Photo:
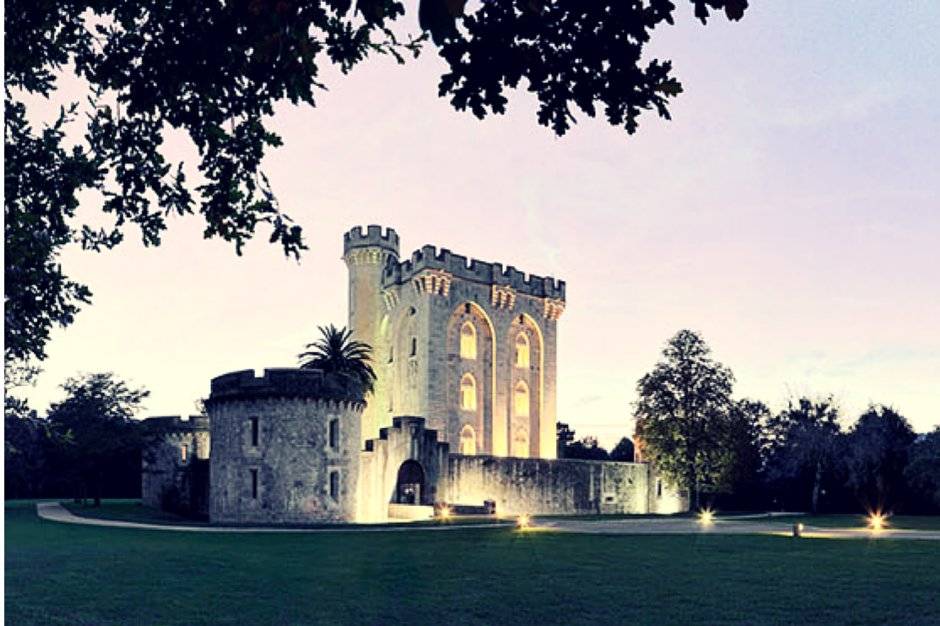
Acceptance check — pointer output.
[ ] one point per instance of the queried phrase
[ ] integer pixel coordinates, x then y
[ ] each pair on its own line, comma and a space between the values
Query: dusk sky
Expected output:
790, 212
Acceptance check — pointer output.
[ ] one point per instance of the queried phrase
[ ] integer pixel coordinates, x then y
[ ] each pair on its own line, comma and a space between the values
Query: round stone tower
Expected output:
285, 447
367, 255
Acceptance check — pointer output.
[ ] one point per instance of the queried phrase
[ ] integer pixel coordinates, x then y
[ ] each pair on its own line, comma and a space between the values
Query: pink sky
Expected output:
790, 212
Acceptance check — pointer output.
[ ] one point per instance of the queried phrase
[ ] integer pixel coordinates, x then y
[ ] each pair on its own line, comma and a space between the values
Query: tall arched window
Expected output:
468, 341
521, 399
468, 393
520, 442
522, 350
468, 440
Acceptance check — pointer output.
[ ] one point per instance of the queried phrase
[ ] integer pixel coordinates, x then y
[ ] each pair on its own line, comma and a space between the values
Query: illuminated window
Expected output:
468, 440
520, 443
521, 399
468, 341
334, 485
184, 453
254, 484
468, 393
522, 350
334, 433
254, 432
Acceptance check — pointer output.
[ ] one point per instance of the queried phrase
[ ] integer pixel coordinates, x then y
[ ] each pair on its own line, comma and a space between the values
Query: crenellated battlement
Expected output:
459, 266
176, 423
284, 383
375, 236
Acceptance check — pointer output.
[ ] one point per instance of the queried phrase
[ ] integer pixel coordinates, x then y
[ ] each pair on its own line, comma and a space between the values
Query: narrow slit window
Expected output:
254, 432
184, 453
334, 433
334, 485
254, 484
414, 346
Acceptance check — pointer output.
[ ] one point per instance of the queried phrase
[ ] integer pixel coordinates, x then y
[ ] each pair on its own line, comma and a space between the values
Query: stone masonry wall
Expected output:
293, 459
542, 486
164, 466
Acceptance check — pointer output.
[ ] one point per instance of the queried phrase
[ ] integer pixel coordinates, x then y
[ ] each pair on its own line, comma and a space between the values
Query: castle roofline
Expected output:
374, 237
429, 257
288, 382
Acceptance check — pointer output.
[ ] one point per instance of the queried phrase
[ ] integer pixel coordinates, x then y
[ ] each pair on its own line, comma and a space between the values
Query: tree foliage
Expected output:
802, 441
586, 449
876, 455
623, 451
682, 415
102, 438
922, 473
336, 352
214, 70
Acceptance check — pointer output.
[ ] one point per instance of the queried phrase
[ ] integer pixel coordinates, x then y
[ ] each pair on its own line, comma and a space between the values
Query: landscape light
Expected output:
706, 517
523, 521
444, 512
798, 529
877, 521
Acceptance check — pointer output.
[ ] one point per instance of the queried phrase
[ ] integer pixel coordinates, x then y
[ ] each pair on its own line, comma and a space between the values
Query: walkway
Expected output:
750, 525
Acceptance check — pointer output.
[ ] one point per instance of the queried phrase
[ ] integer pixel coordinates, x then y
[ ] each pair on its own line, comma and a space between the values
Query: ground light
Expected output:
877, 521
523, 522
706, 517
444, 512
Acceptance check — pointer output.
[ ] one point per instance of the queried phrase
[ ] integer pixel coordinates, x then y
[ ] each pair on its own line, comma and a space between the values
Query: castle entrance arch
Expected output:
410, 487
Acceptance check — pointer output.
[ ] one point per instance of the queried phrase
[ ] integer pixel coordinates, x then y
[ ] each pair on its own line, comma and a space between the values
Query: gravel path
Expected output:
744, 525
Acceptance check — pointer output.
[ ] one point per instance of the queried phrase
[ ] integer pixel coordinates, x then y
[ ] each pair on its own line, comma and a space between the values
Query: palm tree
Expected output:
336, 352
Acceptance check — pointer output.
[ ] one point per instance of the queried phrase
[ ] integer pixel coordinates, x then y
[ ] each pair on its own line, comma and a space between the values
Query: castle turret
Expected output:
366, 255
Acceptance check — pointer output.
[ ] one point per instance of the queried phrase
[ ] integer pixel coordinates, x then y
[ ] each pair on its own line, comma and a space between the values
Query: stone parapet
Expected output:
284, 383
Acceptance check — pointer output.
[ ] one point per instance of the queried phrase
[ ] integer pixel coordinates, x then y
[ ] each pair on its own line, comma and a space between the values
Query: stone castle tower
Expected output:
470, 345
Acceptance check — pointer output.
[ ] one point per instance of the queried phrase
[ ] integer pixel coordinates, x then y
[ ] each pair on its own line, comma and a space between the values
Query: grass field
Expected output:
66, 574
900, 522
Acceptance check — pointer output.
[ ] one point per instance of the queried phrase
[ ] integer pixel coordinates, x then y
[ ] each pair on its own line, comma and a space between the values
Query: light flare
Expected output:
706, 517
523, 522
877, 521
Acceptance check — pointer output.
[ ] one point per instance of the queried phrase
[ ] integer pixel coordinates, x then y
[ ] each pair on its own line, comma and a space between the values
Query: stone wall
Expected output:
290, 472
407, 439
171, 476
543, 486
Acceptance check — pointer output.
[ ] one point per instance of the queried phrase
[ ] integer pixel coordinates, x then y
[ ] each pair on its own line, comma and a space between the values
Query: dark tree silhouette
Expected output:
623, 451
923, 470
99, 436
682, 415
586, 449
214, 70
802, 441
564, 435
876, 455
336, 352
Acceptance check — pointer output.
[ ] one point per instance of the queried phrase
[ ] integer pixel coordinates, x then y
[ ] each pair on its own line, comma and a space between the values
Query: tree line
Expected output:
738, 454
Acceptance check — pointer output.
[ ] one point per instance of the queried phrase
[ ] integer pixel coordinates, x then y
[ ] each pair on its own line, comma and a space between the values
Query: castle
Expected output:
468, 346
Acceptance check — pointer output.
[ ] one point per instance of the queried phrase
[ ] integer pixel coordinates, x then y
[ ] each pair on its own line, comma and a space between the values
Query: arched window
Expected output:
468, 440
468, 341
521, 399
520, 442
522, 350
468, 393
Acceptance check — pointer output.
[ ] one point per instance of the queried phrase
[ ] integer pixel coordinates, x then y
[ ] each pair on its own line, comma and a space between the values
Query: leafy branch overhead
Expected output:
214, 70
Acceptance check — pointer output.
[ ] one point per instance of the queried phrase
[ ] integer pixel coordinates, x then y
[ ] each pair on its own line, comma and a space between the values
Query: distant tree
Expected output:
25, 444
877, 453
923, 469
741, 446
587, 449
336, 352
801, 443
214, 71
623, 451
682, 412
102, 443
564, 435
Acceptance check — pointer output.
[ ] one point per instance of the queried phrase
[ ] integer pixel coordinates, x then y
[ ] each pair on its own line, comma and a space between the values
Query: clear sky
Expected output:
790, 212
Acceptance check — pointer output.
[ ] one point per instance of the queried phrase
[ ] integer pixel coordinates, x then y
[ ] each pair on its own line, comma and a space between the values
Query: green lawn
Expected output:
67, 574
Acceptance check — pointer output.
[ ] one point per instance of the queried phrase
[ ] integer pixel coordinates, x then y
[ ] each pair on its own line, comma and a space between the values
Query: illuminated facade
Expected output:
468, 344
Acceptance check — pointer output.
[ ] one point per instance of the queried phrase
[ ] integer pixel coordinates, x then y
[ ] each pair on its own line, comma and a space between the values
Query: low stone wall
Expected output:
171, 478
543, 486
